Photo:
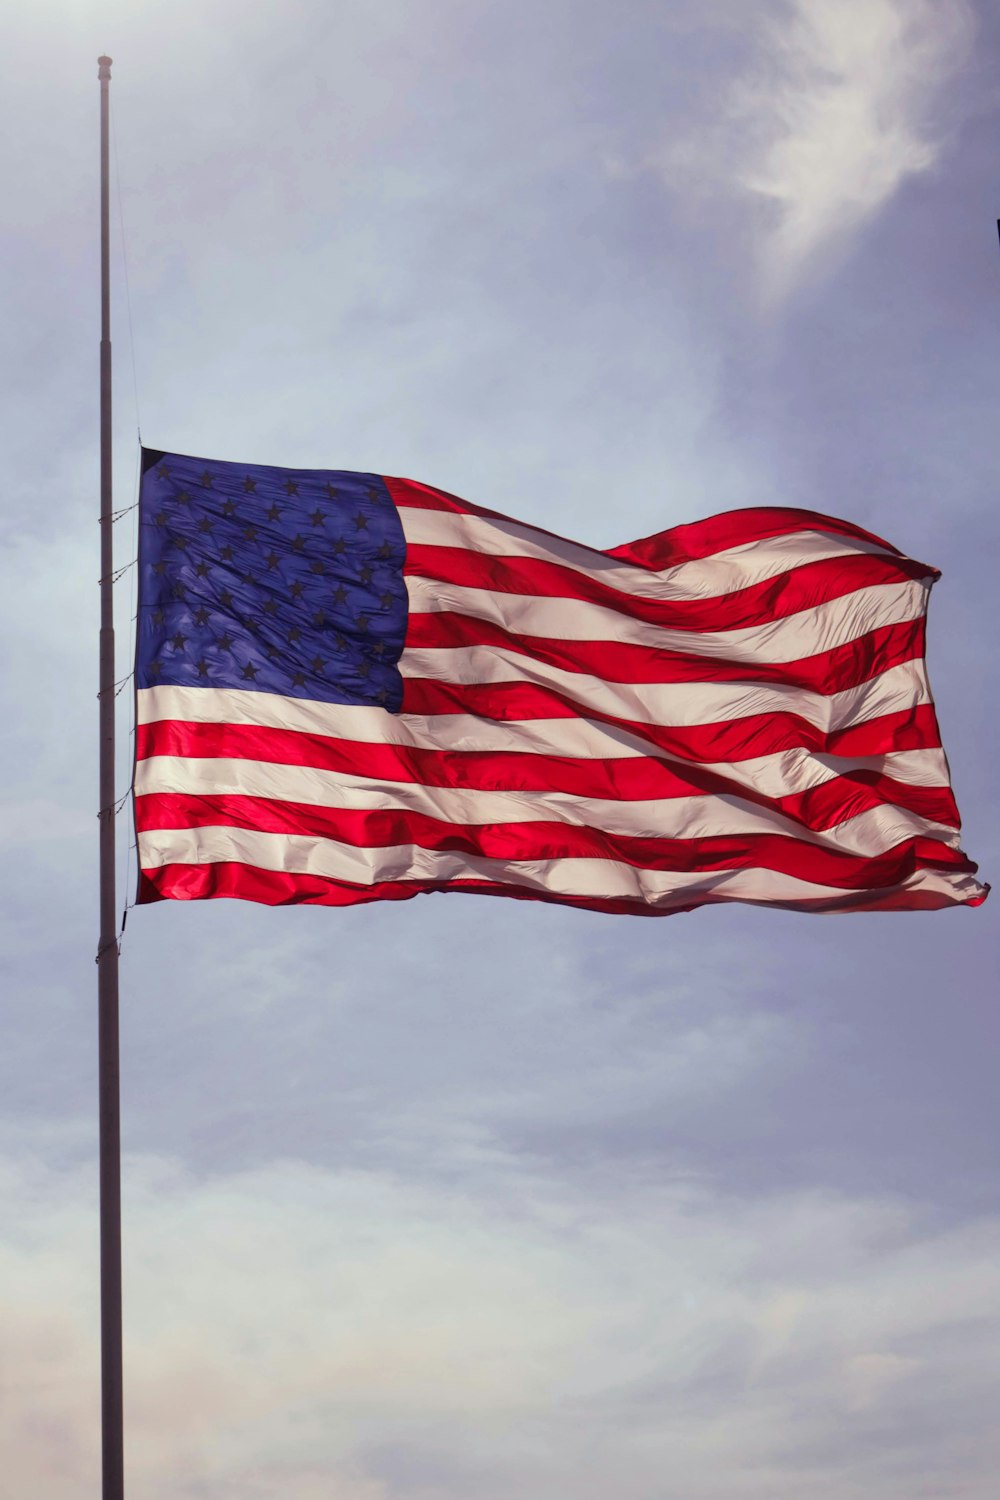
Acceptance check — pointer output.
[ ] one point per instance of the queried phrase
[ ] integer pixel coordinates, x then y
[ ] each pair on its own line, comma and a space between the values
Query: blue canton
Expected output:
278, 580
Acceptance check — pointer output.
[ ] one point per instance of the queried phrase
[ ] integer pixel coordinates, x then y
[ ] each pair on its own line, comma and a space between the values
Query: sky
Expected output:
460, 1199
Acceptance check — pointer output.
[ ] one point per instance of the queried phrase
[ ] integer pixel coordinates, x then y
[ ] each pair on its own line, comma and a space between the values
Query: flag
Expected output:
351, 687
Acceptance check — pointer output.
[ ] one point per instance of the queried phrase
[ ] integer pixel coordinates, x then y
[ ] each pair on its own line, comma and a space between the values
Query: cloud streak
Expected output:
837, 109
296, 1330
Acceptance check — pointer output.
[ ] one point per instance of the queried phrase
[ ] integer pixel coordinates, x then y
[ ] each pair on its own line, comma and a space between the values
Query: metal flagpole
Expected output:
107, 953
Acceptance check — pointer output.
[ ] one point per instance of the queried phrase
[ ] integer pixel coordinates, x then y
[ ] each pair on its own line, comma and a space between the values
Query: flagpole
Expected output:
107, 954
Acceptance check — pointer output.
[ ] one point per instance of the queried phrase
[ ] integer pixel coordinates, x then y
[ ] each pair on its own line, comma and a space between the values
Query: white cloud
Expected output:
353, 1336
836, 112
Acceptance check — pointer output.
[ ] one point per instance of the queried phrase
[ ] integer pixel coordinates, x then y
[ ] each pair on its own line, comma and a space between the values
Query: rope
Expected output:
133, 612
119, 685
128, 295
119, 571
132, 509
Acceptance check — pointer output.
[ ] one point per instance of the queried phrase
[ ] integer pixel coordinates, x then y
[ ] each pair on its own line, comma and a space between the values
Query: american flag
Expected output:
351, 687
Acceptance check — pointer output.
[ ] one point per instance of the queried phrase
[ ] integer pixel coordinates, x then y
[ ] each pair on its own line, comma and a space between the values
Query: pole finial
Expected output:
104, 68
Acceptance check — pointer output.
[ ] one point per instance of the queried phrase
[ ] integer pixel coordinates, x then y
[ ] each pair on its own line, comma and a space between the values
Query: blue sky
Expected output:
463, 1199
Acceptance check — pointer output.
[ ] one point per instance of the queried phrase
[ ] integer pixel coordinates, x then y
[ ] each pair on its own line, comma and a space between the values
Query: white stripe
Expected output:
707, 815
781, 774
912, 767
789, 638
703, 578
596, 878
204, 705
791, 771
674, 704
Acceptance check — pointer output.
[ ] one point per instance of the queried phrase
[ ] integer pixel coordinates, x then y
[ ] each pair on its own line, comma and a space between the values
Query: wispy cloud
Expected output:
353, 1335
838, 107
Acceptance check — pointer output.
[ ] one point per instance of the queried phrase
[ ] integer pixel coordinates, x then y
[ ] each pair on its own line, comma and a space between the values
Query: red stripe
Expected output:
736, 739
411, 494
736, 528
383, 828
788, 593
843, 797
664, 549
626, 780
827, 672
276, 888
